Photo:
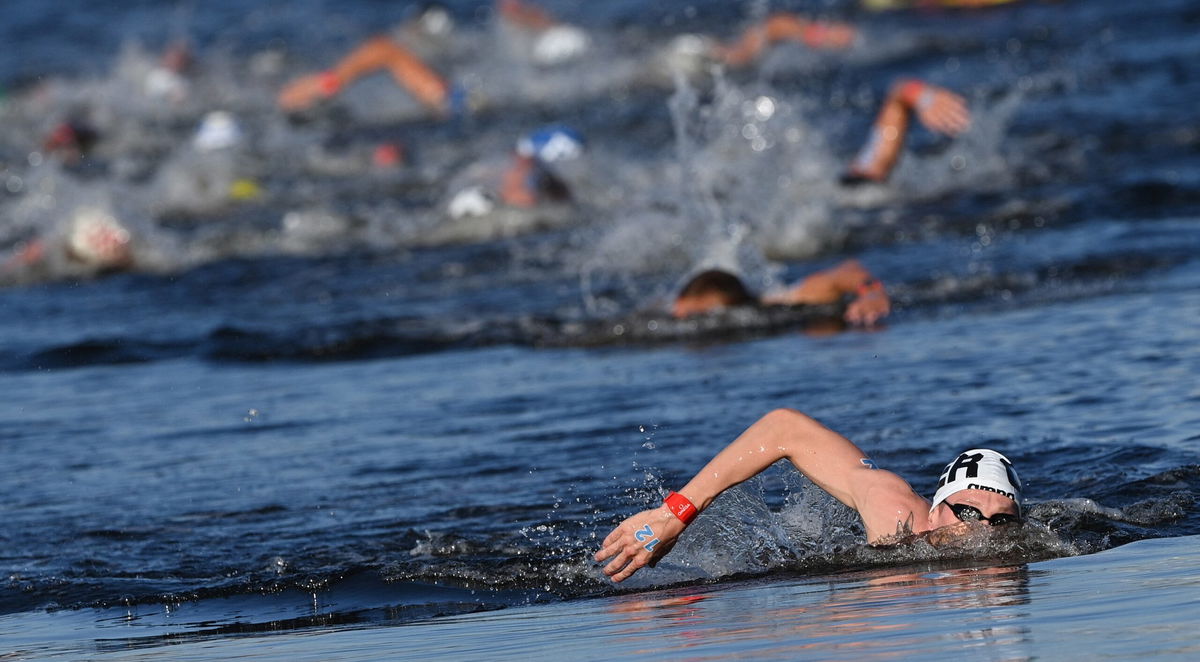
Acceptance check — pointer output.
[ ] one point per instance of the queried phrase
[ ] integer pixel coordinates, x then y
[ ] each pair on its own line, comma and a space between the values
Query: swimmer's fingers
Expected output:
635, 564
301, 93
868, 310
632, 545
612, 546
944, 111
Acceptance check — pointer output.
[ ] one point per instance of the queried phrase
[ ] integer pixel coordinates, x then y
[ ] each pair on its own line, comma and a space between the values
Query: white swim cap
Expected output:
689, 54
979, 469
97, 239
435, 20
218, 130
559, 44
472, 201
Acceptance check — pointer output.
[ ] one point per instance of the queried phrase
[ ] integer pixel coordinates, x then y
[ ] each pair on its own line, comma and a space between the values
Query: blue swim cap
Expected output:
551, 144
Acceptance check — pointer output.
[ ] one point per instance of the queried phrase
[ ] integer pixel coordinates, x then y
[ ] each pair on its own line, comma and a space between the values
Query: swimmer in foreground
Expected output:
408, 69
714, 289
937, 108
979, 487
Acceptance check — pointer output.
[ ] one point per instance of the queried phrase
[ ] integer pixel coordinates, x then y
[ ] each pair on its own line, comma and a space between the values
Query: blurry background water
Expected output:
315, 401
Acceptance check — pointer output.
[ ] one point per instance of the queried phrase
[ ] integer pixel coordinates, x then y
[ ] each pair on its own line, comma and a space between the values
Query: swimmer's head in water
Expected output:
552, 144
98, 240
710, 290
434, 19
980, 469
560, 44
689, 54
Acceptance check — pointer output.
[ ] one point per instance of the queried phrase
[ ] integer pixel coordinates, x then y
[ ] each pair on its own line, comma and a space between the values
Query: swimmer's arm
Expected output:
515, 189
525, 15
827, 458
780, 27
830, 460
408, 70
870, 304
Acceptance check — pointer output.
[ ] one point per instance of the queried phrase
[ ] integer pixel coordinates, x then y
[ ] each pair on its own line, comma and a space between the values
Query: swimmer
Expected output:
553, 42
532, 177
694, 54
167, 80
937, 108
406, 67
979, 487
783, 27
71, 141
95, 240
713, 290
886, 5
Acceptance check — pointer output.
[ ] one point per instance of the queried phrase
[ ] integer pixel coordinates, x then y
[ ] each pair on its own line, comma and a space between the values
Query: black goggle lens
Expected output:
972, 514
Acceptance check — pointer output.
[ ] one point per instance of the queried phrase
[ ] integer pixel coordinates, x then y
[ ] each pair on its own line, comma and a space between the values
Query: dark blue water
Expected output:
373, 419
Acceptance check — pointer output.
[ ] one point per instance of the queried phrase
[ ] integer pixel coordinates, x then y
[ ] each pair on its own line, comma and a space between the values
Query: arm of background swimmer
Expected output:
525, 15
784, 26
409, 71
827, 286
515, 188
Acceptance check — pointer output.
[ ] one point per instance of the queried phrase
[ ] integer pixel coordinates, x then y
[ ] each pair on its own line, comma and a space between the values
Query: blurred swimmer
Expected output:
715, 290
783, 27
94, 240
384, 52
694, 53
533, 176
977, 491
884, 5
938, 109
70, 141
552, 42
167, 79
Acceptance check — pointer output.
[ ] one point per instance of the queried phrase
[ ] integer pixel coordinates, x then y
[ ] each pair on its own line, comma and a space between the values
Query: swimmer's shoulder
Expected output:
888, 505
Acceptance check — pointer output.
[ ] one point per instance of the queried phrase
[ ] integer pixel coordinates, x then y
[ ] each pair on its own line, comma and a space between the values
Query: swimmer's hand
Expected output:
871, 305
305, 91
937, 108
640, 540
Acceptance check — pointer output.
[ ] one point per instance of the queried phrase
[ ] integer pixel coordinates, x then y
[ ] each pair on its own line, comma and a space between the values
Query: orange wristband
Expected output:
330, 85
681, 507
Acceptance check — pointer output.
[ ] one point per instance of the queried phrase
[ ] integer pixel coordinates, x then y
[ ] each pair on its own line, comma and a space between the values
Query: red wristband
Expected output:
330, 85
869, 287
681, 507
910, 92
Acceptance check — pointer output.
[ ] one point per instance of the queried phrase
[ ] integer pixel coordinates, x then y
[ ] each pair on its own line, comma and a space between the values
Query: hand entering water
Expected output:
640, 540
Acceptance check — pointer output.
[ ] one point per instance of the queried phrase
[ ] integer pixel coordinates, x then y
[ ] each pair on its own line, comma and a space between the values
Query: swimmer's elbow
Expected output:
788, 417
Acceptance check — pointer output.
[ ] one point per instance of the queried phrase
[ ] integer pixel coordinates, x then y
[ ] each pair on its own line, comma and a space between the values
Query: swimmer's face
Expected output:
686, 306
988, 504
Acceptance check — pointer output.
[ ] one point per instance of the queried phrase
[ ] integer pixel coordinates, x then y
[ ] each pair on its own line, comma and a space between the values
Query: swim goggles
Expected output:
972, 514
